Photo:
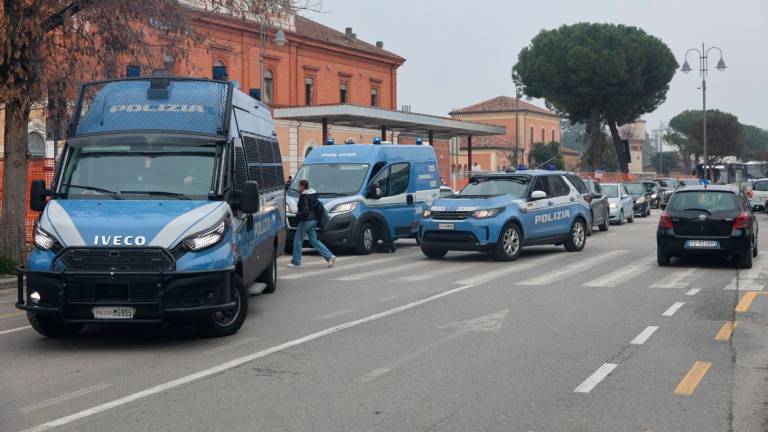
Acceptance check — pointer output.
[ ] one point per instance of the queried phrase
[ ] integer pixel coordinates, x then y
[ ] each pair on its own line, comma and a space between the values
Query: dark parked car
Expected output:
653, 191
667, 187
688, 182
708, 220
640, 199
598, 205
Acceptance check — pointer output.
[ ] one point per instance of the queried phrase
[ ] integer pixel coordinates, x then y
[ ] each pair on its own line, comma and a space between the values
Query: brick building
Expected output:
535, 125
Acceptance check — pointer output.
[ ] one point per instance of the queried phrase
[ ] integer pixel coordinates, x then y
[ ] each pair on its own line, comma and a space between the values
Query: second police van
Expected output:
167, 204
500, 213
373, 193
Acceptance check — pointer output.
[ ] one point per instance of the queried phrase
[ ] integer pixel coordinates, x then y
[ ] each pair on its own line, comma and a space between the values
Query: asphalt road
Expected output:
602, 340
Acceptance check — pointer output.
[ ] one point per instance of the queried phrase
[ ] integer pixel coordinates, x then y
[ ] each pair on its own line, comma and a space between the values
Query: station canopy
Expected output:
387, 121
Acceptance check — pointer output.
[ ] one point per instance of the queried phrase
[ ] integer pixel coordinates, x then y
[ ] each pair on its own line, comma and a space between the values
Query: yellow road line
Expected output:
12, 314
692, 379
726, 331
746, 301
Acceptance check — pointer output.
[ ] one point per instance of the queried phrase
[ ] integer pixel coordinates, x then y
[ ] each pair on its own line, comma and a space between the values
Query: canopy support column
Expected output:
469, 152
383, 133
431, 138
325, 131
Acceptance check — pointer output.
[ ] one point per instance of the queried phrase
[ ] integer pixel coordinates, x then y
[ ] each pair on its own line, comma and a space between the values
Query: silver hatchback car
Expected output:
620, 203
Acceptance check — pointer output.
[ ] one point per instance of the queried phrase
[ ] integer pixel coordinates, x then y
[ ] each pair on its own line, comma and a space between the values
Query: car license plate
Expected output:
113, 312
443, 226
702, 244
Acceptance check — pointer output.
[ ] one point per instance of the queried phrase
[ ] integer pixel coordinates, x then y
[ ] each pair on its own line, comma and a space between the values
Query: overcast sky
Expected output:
460, 52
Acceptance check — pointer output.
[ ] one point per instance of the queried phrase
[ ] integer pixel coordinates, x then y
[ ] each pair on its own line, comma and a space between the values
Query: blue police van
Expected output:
499, 213
167, 204
374, 193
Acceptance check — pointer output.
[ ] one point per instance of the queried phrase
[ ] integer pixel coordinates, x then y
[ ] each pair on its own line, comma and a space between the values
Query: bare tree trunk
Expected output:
621, 155
14, 214
596, 138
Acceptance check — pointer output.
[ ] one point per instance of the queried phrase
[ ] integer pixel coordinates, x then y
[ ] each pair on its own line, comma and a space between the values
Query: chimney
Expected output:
349, 33
379, 44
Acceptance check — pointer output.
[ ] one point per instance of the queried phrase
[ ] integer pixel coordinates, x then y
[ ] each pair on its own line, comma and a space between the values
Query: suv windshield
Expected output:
710, 201
517, 187
141, 172
635, 188
331, 179
611, 190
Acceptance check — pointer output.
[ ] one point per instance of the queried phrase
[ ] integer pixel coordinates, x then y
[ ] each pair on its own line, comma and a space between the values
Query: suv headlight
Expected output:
427, 213
207, 238
344, 207
612, 205
654, 195
42, 239
486, 213
640, 200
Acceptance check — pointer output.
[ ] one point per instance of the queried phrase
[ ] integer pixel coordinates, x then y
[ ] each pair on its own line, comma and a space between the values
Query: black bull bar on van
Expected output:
156, 294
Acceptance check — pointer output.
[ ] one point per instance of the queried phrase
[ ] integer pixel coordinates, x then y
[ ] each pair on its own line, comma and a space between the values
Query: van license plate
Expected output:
445, 226
113, 312
702, 244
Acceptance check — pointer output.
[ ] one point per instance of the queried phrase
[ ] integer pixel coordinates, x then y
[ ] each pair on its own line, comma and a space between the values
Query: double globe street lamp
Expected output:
703, 68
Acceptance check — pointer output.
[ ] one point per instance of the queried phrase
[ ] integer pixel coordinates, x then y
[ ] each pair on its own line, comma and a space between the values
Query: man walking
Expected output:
310, 211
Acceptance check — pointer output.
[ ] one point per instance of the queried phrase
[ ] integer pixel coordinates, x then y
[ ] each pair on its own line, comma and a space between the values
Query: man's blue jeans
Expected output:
308, 228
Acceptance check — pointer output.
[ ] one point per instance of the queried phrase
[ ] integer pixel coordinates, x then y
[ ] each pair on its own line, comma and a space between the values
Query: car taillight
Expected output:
665, 221
742, 221
749, 194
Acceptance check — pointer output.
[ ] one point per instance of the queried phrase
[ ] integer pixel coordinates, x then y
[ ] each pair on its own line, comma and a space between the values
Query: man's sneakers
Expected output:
293, 266
332, 261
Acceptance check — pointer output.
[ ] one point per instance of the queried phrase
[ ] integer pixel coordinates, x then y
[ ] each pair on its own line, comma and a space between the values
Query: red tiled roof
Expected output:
502, 104
312, 29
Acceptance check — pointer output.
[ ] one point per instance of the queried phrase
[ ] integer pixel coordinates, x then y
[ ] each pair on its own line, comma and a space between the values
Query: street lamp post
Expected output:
280, 40
517, 121
703, 69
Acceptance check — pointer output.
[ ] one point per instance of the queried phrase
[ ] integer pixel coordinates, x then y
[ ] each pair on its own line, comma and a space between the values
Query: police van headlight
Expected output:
612, 205
344, 207
427, 213
487, 213
42, 239
207, 238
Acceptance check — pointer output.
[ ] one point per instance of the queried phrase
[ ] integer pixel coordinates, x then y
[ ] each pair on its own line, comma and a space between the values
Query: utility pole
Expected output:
661, 151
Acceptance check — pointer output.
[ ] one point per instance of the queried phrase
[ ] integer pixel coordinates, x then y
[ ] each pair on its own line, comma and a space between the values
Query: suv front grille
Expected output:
116, 259
451, 215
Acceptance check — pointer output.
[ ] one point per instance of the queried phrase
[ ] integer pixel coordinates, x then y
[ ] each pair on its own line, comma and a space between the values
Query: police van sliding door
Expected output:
393, 182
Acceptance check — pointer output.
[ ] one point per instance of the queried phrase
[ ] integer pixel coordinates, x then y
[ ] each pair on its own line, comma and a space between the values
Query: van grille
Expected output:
121, 260
451, 215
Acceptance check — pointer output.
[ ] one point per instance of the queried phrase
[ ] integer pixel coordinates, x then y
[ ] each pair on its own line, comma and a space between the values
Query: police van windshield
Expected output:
141, 172
517, 187
331, 179
611, 190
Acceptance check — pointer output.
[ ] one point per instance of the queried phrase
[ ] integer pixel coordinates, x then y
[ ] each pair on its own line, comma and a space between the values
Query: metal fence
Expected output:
37, 169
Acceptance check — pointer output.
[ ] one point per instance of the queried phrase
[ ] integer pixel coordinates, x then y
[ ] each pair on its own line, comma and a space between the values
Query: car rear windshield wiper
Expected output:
176, 195
333, 193
113, 194
698, 209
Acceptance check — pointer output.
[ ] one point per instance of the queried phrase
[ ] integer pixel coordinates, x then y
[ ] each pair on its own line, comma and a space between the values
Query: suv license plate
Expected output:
702, 244
113, 312
445, 226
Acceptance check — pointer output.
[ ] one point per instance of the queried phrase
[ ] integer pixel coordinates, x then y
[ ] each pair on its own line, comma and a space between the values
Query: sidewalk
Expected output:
750, 344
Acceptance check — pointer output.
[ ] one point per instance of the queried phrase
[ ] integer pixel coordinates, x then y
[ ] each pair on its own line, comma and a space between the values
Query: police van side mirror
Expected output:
37, 195
373, 191
250, 201
537, 195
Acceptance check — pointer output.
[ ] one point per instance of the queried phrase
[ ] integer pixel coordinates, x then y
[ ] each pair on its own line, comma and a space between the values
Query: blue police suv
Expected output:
502, 212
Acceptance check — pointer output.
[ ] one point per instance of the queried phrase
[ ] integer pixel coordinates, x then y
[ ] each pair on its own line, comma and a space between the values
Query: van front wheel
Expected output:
366, 240
226, 322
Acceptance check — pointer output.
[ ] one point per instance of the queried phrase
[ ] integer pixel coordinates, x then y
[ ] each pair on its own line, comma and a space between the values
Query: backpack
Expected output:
321, 214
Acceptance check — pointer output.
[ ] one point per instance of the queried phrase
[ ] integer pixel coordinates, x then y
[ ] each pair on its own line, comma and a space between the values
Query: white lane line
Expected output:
393, 270
334, 314
372, 375
14, 330
672, 309
435, 273
623, 274
678, 279
595, 378
65, 397
693, 292
568, 271
644, 335
298, 274
237, 362
517, 266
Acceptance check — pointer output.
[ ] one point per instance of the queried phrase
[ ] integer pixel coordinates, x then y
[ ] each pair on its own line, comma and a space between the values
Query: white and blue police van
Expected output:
373, 193
167, 204
499, 213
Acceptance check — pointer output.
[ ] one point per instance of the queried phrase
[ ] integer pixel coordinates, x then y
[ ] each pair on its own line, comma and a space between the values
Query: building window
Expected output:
553, 136
219, 71
532, 135
543, 137
36, 145
374, 97
309, 91
344, 93
269, 86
